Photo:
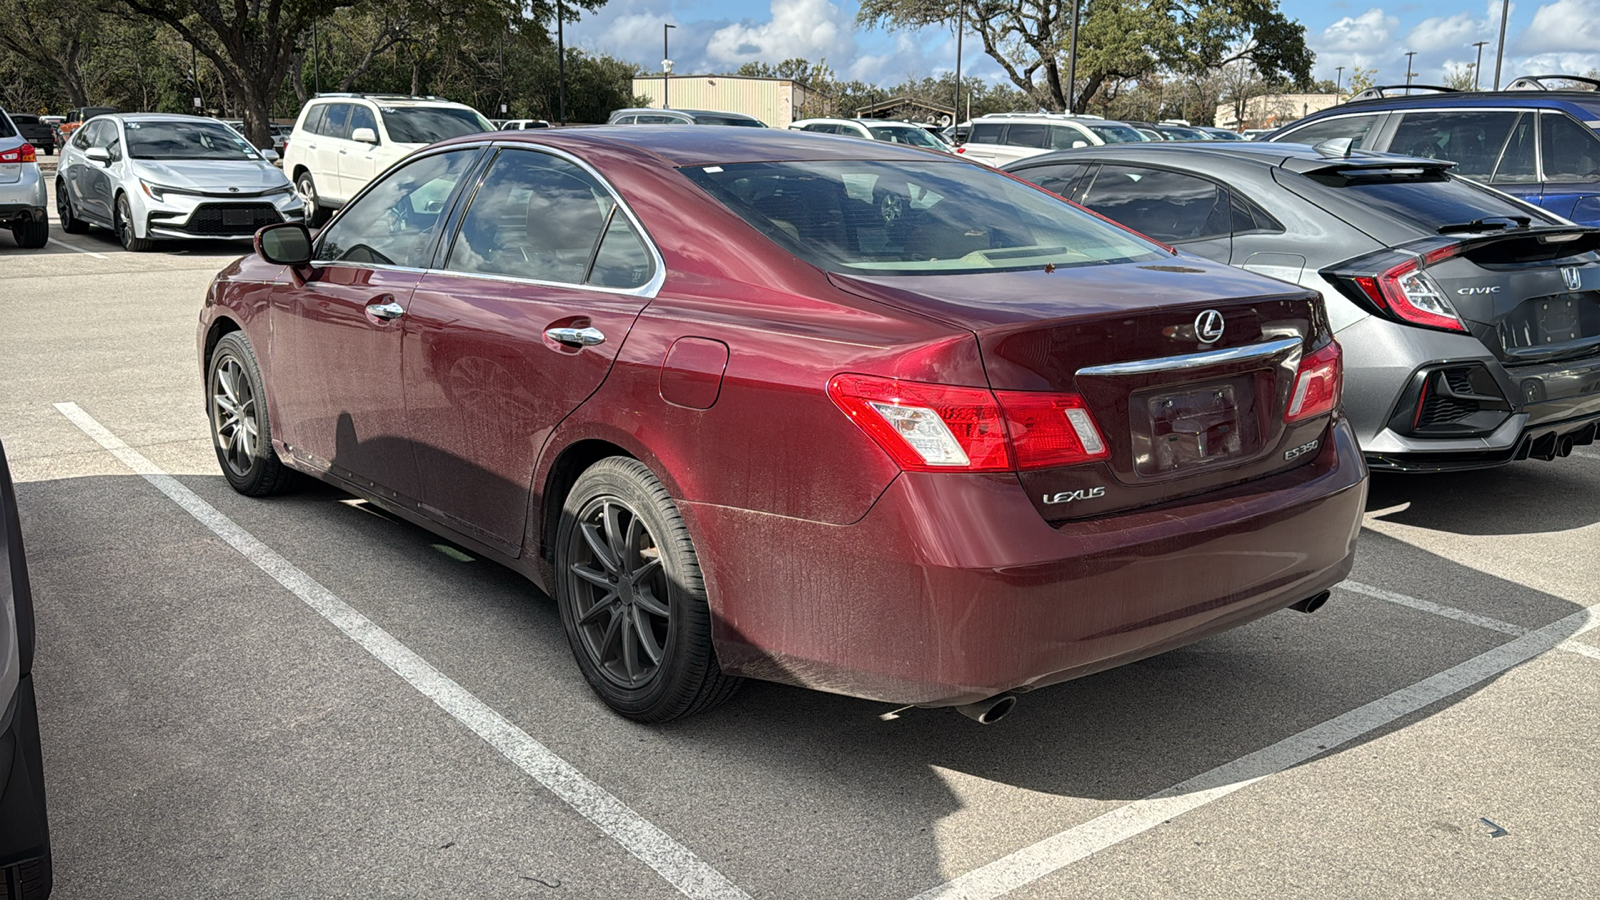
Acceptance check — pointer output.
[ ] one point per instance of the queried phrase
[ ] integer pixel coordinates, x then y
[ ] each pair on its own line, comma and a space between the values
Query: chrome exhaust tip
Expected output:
1313, 603
989, 711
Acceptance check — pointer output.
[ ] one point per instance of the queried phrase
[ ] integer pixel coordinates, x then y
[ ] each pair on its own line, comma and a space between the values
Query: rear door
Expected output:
539, 289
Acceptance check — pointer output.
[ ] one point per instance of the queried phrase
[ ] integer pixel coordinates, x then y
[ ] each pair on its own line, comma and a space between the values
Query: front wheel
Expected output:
240, 430
123, 225
631, 597
307, 187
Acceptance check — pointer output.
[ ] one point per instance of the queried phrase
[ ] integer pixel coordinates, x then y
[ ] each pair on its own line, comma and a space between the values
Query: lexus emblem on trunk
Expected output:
1572, 277
1208, 326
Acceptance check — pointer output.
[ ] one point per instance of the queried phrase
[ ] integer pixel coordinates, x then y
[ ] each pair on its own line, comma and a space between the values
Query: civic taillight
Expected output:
945, 428
1317, 384
23, 154
1408, 291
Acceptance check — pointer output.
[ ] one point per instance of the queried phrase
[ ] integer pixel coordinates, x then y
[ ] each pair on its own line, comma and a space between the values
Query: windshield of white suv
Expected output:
186, 140
906, 134
914, 218
1116, 133
427, 124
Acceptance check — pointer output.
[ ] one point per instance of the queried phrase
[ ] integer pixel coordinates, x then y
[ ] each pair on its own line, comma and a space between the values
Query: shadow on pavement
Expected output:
1521, 498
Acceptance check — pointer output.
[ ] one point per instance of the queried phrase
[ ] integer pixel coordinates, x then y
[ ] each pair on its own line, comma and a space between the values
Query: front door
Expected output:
337, 383
545, 278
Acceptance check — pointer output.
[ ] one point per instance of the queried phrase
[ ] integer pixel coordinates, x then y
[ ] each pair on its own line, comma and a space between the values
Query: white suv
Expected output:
342, 141
1007, 137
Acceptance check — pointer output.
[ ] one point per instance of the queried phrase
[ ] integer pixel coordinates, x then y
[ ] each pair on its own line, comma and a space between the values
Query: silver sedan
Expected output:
151, 176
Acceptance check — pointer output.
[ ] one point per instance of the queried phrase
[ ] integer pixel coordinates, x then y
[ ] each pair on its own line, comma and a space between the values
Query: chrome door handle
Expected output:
576, 337
386, 311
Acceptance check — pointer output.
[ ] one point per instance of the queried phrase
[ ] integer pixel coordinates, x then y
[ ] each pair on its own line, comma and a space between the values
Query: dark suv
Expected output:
1535, 140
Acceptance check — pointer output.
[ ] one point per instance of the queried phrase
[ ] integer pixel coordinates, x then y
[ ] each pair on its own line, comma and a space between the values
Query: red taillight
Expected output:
943, 428
1317, 385
23, 154
1408, 291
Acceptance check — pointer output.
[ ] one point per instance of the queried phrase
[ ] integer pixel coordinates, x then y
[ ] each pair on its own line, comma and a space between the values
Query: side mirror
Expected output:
1079, 143
98, 154
286, 244
269, 154
364, 135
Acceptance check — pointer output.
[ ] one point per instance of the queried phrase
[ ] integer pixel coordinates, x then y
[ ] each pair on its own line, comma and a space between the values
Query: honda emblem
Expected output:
1572, 276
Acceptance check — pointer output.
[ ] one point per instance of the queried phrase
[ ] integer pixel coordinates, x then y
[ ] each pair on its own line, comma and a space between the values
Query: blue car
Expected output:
1536, 140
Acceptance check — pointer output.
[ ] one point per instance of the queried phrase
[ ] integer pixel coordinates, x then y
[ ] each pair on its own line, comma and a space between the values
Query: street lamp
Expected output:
1072, 62
1338, 83
666, 65
1477, 70
961, 28
1409, 54
561, 63
1500, 52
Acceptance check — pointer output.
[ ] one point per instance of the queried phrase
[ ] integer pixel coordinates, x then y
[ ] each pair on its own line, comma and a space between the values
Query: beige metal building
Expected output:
1273, 110
775, 101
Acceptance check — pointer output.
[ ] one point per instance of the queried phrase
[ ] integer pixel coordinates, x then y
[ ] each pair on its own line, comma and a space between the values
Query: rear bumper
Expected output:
953, 589
24, 831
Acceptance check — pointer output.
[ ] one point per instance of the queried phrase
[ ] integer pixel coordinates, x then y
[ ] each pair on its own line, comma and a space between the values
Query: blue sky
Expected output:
1544, 36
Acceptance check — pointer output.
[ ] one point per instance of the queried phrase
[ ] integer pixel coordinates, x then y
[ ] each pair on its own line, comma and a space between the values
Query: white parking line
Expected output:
652, 846
1460, 615
1060, 850
1586, 454
57, 243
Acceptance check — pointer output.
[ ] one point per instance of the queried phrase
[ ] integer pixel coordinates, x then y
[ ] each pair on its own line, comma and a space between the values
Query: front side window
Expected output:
337, 123
186, 140
1357, 128
361, 117
1064, 137
428, 124
1571, 152
1028, 135
396, 221
543, 218
1168, 206
736, 121
1470, 138
913, 218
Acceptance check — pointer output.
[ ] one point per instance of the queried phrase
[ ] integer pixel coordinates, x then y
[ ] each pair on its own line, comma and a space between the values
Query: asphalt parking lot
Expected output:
304, 697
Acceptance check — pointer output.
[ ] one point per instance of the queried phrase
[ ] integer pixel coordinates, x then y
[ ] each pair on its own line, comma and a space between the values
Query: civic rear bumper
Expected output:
24, 831
953, 589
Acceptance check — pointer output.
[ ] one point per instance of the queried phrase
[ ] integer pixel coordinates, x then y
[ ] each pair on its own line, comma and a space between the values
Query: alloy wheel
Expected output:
233, 416
619, 592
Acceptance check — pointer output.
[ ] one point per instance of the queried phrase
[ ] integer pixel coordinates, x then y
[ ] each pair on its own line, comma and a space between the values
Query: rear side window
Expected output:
1470, 138
1571, 152
737, 122
1357, 128
1168, 206
315, 118
1518, 164
541, 217
986, 133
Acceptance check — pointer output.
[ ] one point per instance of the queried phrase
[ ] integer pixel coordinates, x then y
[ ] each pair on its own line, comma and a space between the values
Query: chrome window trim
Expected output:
1196, 360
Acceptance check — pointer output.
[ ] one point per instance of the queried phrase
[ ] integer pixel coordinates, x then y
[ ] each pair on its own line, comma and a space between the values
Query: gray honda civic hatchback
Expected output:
1470, 320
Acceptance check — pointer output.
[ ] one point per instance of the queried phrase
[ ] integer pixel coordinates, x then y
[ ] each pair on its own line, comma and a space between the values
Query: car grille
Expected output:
231, 218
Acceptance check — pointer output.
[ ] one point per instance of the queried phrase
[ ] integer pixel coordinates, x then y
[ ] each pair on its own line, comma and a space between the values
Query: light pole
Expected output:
1409, 54
561, 63
1477, 69
1072, 62
1500, 52
1338, 82
961, 27
666, 65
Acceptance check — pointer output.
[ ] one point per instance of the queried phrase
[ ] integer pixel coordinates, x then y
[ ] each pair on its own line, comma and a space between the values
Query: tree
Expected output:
1361, 79
56, 36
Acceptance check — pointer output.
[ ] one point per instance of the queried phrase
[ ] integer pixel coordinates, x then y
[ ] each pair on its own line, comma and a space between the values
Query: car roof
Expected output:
1212, 153
1586, 103
713, 146
159, 117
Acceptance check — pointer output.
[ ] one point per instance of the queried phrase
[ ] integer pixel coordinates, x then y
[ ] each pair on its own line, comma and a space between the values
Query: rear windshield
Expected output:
914, 218
25, 120
1117, 134
702, 119
1431, 199
186, 140
427, 124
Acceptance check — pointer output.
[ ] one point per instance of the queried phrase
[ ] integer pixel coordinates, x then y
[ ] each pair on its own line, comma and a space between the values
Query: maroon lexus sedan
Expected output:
765, 404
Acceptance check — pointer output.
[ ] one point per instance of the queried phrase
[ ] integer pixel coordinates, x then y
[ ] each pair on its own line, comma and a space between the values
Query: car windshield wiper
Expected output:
1488, 222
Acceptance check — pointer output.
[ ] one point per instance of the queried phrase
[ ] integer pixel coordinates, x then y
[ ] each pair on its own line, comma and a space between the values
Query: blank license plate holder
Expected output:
1196, 427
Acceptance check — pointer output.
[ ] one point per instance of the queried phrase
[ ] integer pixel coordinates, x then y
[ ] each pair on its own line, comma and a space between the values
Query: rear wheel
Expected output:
32, 235
240, 430
123, 224
315, 213
631, 597
70, 223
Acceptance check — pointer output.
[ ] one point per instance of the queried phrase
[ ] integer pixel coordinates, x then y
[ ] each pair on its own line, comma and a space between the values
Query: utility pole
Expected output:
1500, 52
1072, 62
1338, 83
1477, 70
666, 66
1409, 54
561, 62
961, 27
316, 61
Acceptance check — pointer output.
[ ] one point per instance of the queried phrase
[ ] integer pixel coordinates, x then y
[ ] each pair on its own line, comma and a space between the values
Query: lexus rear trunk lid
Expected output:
1181, 415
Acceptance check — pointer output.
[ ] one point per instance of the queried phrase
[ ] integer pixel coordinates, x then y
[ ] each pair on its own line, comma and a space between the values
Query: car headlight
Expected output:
154, 192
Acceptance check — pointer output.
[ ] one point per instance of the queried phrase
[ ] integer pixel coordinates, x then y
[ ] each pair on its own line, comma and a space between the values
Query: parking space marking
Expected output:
57, 243
1586, 454
674, 862
1058, 851
1460, 615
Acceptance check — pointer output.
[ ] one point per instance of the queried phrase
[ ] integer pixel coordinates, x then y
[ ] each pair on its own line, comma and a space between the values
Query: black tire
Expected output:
316, 214
621, 548
236, 406
70, 223
32, 235
122, 222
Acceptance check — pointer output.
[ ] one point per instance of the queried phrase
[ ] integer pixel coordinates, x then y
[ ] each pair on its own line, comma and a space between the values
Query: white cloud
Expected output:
1449, 34
812, 29
1359, 34
1563, 26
